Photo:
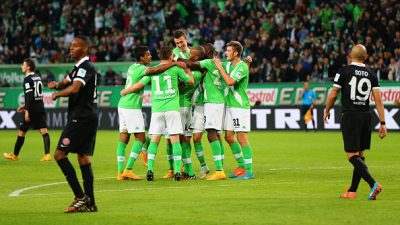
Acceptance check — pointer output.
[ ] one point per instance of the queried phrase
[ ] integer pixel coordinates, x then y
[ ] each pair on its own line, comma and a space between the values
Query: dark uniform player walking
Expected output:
34, 114
356, 83
79, 135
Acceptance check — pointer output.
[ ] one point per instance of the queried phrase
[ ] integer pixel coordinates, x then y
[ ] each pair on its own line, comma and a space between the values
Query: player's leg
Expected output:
143, 152
18, 145
247, 155
187, 159
170, 159
88, 178
177, 152
222, 148
140, 138
355, 181
121, 152
198, 147
46, 143
174, 129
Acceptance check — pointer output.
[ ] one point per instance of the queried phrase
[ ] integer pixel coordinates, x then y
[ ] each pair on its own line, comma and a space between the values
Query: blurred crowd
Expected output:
290, 41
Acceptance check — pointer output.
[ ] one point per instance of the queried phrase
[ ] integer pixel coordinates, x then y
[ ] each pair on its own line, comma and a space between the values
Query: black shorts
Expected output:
38, 121
78, 137
356, 131
304, 109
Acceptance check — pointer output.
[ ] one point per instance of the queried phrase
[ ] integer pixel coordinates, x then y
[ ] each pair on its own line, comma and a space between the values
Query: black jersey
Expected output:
356, 82
83, 104
33, 89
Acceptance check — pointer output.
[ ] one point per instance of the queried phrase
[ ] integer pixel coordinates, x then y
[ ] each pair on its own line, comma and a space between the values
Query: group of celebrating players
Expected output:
192, 92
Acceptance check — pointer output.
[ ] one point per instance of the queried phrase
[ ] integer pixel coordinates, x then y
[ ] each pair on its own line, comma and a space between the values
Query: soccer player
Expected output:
165, 117
235, 73
308, 101
34, 113
356, 82
79, 134
182, 49
130, 112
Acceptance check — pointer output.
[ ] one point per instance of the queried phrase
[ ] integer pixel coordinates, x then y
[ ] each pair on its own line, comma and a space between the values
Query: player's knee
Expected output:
140, 137
230, 139
59, 155
21, 133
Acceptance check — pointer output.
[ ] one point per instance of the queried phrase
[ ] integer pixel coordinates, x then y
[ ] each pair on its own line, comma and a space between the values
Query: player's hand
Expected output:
20, 108
52, 85
382, 131
54, 96
181, 64
217, 62
248, 59
27, 119
326, 117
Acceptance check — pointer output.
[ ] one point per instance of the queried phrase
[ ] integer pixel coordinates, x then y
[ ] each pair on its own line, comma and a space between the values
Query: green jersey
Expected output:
236, 95
164, 89
213, 92
133, 100
179, 54
186, 93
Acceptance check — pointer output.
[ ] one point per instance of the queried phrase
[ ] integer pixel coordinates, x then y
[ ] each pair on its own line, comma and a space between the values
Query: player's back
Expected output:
133, 100
33, 86
356, 82
83, 104
165, 91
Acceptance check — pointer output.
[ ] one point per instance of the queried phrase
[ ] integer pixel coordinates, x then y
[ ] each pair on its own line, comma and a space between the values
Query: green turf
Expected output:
299, 178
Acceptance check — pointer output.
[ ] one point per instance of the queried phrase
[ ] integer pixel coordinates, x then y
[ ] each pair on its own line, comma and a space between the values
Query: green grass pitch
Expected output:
299, 178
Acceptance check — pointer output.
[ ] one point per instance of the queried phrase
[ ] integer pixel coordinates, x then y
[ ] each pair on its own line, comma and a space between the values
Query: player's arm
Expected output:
29, 98
331, 100
190, 64
68, 91
191, 80
229, 80
59, 85
133, 88
376, 92
161, 68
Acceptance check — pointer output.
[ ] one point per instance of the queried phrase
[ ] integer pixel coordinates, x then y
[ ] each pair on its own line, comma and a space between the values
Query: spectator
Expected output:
110, 77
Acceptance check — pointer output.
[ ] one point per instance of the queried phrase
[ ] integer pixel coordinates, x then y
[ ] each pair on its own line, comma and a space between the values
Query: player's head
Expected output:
180, 39
165, 53
142, 54
233, 50
306, 86
28, 65
209, 50
197, 53
358, 54
79, 47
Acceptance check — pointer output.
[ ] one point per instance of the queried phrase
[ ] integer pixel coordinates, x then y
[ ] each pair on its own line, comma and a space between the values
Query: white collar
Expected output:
31, 73
358, 64
81, 61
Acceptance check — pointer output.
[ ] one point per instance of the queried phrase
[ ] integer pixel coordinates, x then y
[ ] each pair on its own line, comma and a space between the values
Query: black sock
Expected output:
18, 145
46, 142
362, 169
313, 124
69, 173
355, 181
87, 176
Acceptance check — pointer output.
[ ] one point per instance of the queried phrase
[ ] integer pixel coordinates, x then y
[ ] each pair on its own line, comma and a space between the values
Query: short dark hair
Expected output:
236, 47
30, 63
209, 50
179, 33
85, 40
140, 51
165, 52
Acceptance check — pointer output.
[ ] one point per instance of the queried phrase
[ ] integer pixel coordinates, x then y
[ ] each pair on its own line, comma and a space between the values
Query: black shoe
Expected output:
150, 175
191, 177
78, 205
177, 177
93, 208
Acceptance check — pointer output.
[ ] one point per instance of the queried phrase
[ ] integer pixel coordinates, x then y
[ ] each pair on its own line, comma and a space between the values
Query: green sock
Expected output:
198, 148
151, 155
170, 157
222, 153
177, 152
135, 151
216, 150
187, 160
146, 144
248, 159
237, 152
121, 156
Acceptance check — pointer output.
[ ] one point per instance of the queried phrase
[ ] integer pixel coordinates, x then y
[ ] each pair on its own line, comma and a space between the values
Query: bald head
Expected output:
197, 53
358, 53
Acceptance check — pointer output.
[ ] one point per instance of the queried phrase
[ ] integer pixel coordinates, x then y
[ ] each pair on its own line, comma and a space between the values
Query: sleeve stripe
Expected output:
81, 80
337, 85
69, 79
29, 90
376, 88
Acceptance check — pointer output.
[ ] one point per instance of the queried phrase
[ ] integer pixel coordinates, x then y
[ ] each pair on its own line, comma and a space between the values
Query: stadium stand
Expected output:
289, 40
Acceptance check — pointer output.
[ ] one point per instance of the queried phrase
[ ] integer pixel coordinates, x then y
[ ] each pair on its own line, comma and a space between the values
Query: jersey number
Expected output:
236, 122
357, 91
38, 88
158, 90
